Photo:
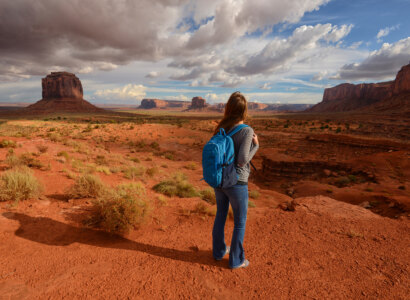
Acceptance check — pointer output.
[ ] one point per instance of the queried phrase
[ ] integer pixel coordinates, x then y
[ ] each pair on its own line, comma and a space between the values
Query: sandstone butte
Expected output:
158, 103
62, 91
384, 96
198, 103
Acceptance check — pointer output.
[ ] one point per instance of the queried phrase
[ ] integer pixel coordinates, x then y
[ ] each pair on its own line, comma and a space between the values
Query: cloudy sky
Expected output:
283, 51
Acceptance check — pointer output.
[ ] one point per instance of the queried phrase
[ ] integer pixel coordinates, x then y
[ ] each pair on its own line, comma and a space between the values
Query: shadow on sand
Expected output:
50, 232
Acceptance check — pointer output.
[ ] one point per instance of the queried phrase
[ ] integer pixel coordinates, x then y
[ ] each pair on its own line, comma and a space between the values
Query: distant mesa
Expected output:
62, 91
162, 104
384, 96
198, 103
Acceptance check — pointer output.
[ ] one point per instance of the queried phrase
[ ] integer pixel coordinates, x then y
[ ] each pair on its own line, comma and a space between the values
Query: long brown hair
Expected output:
236, 110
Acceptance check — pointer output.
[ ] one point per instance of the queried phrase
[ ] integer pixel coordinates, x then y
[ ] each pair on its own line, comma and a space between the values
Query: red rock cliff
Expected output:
347, 97
61, 85
198, 103
153, 103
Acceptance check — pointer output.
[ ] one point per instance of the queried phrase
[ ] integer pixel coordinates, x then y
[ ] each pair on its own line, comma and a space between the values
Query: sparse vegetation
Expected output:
121, 209
208, 195
87, 186
151, 172
7, 144
177, 185
134, 172
42, 148
254, 194
19, 184
251, 204
191, 166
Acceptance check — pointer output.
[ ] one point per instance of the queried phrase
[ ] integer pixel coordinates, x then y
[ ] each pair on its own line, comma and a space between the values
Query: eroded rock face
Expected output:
198, 103
153, 103
347, 97
256, 106
62, 91
61, 85
402, 82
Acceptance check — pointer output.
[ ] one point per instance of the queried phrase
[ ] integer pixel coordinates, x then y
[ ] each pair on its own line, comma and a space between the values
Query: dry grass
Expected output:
134, 172
177, 185
254, 194
19, 184
86, 186
122, 209
208, 195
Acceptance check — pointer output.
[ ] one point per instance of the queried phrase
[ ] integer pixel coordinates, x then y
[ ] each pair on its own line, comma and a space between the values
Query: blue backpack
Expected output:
218, 157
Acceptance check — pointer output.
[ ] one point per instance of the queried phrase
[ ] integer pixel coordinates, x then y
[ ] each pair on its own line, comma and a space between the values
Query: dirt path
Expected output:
306, 254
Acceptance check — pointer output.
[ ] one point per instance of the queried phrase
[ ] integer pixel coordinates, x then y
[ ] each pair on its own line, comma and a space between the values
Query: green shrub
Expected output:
19, 184
86, 186
134, 172
121, 209
208, 195
177, 185
24, 159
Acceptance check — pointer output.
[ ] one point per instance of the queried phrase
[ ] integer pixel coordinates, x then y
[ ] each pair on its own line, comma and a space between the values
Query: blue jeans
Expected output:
237, 195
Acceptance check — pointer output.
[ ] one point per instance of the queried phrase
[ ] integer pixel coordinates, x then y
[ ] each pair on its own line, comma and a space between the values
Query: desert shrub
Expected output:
251, 204
176, 185
342, 181
162, 200
86, 186
55, 137
19, 184
24, 159
42, 148
254, 194
7, 144
154, 145
151, 171
121, 209
402, 187
135, 159
134, 172
103, 169
208, 195
191, 166
338, 129
63, 154
352, 178
101, 160
69, 174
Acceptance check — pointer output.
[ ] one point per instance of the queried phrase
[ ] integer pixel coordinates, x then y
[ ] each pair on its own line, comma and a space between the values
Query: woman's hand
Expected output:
255, 139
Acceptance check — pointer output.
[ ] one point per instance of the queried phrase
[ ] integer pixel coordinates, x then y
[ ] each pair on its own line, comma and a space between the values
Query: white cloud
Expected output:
385, 31
265, 86
130, 92
179, 97
153, 74
380, 64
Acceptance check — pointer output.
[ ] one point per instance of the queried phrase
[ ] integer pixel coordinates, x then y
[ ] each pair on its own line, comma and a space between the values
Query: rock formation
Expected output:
198, 103
152, 103
256, 106
62, 91
367, 96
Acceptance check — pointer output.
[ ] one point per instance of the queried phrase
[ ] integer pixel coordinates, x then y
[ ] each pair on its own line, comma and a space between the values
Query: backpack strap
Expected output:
236, 129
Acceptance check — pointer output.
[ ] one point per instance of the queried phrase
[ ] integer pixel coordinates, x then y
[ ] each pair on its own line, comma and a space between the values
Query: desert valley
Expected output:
329, 207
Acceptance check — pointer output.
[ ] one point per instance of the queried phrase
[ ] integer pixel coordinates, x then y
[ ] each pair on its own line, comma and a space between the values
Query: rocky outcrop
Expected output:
61, 85
152, 103
402, 83
349, 97
62, 91
256, 106
198, 103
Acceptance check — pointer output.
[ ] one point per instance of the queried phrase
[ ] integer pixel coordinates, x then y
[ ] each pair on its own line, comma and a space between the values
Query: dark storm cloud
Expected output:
381, 64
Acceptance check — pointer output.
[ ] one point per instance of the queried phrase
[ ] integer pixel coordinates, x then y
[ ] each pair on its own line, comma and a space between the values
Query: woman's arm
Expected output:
246, 151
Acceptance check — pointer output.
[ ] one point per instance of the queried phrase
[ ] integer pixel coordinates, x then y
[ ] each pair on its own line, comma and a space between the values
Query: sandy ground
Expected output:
325, 249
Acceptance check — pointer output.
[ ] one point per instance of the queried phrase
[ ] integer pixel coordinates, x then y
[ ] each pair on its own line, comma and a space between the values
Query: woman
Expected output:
246, 144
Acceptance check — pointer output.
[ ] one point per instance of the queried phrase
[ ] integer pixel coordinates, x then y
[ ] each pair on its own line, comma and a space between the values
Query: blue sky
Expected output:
271, 50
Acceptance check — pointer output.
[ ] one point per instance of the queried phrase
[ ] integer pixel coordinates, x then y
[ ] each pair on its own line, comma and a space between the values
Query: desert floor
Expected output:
329, 213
